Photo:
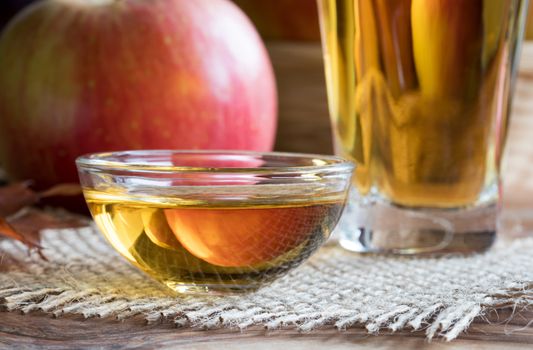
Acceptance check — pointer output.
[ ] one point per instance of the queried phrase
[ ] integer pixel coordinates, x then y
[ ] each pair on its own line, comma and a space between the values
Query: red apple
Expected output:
80, 76
283, 19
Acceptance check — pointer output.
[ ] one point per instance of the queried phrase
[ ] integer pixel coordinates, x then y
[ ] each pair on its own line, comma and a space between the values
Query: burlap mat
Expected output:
85, 276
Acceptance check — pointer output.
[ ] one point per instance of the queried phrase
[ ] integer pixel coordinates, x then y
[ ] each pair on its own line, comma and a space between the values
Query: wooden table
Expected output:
304, 126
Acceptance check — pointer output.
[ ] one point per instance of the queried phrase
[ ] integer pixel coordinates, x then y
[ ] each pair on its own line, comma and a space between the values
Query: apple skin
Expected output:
82, 76
283, 19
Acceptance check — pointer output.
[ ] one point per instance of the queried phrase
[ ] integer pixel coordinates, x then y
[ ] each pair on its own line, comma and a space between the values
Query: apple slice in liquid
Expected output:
241, 237
156, 228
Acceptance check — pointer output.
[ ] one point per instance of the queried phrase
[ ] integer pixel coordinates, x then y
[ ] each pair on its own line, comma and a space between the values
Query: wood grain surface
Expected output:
35, 331
304, 127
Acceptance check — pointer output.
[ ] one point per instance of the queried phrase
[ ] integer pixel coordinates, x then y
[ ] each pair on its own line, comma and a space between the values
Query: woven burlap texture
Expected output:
83, 275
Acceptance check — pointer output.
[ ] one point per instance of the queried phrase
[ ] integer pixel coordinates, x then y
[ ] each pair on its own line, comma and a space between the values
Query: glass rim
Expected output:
318, 163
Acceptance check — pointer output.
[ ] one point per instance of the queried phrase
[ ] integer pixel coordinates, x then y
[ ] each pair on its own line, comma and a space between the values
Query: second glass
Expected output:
419, 94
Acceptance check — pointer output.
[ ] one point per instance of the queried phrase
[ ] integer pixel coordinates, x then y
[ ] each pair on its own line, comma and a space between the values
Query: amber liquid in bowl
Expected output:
191, 245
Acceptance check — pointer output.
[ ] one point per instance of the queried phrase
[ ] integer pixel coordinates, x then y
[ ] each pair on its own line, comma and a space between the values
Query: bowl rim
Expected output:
325, 163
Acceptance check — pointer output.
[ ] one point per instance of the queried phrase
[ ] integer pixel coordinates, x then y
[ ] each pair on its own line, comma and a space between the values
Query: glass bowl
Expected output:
214, 221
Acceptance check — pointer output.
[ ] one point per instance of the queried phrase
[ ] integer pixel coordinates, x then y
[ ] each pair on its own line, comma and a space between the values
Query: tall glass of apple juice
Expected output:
419, 94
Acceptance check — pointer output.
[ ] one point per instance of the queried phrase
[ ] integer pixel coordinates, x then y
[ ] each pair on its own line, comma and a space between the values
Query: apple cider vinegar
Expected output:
418, 93
184, 242
214, 221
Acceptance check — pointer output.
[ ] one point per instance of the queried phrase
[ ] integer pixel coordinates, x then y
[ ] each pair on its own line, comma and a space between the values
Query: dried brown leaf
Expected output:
9, 231
15, 197
36, 220
67, 189
19, 222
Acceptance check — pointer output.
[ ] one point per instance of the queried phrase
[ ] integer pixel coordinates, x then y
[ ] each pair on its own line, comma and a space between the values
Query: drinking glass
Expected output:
419, 94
